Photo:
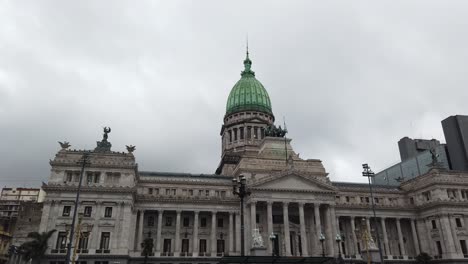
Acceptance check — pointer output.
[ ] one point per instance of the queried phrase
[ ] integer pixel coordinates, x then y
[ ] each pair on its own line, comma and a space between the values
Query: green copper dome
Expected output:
248, 94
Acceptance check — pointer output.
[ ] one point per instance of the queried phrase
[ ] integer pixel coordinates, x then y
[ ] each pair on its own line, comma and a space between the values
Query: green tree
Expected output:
423, 258
36, 248
147, 248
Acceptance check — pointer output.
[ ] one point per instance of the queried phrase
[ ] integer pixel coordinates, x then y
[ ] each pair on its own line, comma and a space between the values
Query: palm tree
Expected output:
147, 248
36, 248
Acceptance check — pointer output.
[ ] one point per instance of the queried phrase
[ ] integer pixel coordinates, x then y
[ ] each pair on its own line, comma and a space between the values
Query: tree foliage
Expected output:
36, 248
423, 258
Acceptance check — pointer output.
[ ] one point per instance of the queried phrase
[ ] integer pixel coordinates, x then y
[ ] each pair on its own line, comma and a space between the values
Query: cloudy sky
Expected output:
351, 78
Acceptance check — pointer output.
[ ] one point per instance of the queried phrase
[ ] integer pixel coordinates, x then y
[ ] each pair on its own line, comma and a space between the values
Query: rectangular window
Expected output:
83, 241
168, 191
150, 220
241, 130
185, 245
87, 211
207, 192
255, 133
217, 193
463, 247
173, 191
230, 136
167, 245
61, 240
69, 176
220, 222
66, 210
202, 245
458, 221
235, 134
190, 192
347, 199
367, 199
184, 192
156, 191
203, 222
150, 191
89, 178
105, 240
439, 248
411, 200
200, 192
249, 132
108, 212
220, 246
257, 218
434, 225
223, 194
262, 133
168, 221
186, 221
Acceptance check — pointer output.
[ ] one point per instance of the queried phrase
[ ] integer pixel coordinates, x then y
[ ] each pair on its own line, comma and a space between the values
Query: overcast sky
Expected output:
351, 78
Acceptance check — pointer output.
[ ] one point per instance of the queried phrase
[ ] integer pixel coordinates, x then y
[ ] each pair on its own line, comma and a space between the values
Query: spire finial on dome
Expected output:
247, 63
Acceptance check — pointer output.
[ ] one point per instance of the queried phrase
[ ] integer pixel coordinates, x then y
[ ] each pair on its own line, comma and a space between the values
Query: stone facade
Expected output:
195, 218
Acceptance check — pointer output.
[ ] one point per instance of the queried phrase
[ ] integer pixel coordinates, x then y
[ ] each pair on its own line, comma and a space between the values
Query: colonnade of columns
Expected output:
233, 231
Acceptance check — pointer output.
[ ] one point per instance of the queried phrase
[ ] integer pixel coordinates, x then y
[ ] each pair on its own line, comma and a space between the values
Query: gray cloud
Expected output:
350, 78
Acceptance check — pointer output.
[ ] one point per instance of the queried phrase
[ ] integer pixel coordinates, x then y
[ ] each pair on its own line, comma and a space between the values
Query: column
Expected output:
195, 234
318, 227
312, 241
415, 237
231, 233
213, 234
454, 234
355, 241
287, 241
238, 233
385, 237
368, 226
447, 238
177, 234
335, 229
430, 241
253, 215
329, 238
140, 230
158, 234
303, 230
400, 237
270, 225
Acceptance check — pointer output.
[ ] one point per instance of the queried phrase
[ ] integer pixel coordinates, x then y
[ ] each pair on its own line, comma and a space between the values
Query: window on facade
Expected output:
203, 222
184, 192
87, 211
105, 240
112, 177
235, 134
262, 132
230, 136
277, 219
83, 241
220, 246
376, 200
255, 133
93, 177
61, 240
69, 176
207, 192
200, 192
458, 221
241, 130
434, 224
167, 245
185, 245
411, 200
190, 192
463, 247
367, 199
168, 191
249, 132
108, 212
156, 191
66, 210
223, 194
439, 248
257, 218
202, 246
150, 191
186, 221
220, 222
217, 193
173, 191
347, 199
168, 221
427, 195
150, 220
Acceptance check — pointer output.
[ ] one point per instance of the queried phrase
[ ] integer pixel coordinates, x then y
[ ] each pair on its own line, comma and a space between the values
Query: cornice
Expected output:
61, 187
183, 199
193, 180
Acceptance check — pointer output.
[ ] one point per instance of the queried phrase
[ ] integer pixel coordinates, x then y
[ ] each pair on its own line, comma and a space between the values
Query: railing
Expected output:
204, 254
103, 251
167, 254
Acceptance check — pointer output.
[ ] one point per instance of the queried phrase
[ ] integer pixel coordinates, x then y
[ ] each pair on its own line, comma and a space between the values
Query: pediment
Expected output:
293, 182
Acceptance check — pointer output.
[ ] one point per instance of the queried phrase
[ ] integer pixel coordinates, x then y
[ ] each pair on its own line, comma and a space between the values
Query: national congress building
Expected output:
195, 218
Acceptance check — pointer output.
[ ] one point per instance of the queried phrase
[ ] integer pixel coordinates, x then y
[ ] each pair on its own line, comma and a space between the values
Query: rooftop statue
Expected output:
104, 145
130, 148
64, 144
273, 131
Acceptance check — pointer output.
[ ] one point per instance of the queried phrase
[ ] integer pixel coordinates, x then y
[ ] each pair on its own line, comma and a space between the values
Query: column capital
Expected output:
214, 212
178, 211
301, 204
160, 211
285, 204
196, 212
269, 202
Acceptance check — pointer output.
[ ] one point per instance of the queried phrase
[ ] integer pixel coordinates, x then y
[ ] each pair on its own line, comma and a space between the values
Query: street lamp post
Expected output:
274, 250
367, 172
338, 240
239, 188
322, 239
84, 161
